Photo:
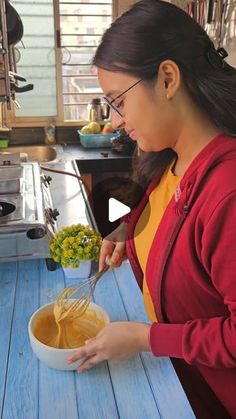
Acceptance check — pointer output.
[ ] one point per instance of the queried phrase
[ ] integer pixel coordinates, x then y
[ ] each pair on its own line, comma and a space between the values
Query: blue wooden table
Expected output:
142, 387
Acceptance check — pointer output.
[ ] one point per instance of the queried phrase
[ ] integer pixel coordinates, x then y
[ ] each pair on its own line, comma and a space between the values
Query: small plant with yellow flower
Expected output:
74, 244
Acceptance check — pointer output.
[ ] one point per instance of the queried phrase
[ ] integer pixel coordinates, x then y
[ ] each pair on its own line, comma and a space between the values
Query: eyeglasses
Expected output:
111, 102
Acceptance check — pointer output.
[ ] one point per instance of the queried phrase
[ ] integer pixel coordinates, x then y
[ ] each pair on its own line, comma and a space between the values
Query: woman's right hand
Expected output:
113, 247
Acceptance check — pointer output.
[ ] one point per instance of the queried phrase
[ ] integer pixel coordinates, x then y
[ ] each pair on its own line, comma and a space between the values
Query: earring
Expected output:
168, 96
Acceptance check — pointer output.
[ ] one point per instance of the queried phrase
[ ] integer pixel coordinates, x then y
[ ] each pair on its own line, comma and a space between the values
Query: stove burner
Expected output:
6, 208
11, 208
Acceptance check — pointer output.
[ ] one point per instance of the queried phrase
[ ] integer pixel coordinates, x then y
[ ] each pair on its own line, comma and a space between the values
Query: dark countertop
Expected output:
96, 160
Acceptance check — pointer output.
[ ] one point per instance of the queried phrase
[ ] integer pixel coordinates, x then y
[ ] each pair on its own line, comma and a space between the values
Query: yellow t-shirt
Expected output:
147, 225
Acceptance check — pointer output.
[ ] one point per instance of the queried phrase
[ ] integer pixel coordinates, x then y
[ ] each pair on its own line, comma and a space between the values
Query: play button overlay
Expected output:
116, 209
112, 197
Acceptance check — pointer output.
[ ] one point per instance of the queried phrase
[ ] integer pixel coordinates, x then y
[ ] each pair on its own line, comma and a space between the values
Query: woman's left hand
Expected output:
116, 340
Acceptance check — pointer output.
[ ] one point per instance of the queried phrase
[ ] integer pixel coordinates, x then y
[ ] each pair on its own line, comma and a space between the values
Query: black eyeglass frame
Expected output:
111, 102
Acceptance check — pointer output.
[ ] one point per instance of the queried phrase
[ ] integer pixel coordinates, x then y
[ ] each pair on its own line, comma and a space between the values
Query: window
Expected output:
60, 38
81, 25
35, 58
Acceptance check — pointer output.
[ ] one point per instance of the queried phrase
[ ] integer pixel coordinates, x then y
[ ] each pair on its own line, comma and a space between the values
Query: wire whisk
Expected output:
66, 305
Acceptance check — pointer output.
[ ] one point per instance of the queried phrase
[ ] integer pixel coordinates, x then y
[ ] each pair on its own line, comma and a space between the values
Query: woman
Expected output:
175, 96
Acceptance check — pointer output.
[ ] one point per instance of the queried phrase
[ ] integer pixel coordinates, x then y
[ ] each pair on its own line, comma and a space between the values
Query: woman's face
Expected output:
147, 115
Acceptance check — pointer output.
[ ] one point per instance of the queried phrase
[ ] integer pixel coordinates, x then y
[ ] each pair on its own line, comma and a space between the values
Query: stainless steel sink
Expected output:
38, 153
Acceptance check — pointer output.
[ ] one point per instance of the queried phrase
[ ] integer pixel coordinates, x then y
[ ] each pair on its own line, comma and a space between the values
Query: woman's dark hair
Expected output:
152, 31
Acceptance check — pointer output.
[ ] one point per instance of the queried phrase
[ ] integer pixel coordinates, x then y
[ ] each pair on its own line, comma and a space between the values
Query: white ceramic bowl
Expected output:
54, 357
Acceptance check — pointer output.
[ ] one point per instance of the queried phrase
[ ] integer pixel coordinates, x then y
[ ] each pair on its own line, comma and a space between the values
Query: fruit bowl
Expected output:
97, 140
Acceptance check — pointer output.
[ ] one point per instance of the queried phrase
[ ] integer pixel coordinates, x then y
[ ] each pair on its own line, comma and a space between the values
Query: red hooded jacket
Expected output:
191, 271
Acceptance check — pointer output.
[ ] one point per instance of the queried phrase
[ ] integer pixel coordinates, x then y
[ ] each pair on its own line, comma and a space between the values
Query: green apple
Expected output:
86, 130
95, 127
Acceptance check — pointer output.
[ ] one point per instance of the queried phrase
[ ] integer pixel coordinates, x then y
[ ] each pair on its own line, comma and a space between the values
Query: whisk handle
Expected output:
100, 273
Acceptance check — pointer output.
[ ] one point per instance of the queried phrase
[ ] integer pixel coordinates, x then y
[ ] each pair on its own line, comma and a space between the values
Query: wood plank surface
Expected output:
142, 387
22, 375
8, 278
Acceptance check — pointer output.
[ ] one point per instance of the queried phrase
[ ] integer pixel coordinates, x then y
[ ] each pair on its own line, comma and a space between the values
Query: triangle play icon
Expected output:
116, 209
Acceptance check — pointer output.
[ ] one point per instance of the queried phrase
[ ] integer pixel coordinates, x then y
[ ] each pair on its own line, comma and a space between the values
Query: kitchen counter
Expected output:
138, 388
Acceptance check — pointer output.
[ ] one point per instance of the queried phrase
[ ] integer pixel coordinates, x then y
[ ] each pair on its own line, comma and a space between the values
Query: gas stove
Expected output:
27, 217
